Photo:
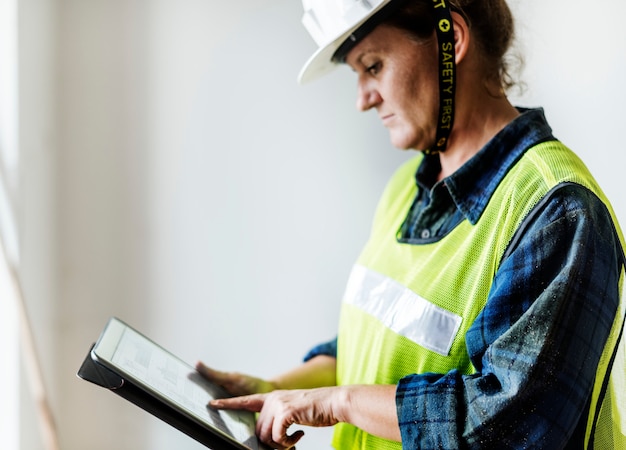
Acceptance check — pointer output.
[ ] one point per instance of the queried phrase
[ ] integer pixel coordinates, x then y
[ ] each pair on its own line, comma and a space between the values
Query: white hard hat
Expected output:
330, 23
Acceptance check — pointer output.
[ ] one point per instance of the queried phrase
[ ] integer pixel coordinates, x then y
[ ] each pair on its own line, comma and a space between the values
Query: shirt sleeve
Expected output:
536, 344
327, 348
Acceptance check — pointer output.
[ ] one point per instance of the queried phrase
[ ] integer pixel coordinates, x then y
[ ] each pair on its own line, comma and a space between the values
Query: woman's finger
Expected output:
253, 403
211, 374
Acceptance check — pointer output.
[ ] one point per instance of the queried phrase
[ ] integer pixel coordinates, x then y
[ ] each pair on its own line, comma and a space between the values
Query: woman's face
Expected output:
398, 77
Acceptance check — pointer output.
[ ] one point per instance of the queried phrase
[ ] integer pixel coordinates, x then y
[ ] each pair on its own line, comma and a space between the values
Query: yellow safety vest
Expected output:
394, 323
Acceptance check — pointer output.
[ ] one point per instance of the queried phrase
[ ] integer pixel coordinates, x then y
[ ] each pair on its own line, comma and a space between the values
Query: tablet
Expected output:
162, 375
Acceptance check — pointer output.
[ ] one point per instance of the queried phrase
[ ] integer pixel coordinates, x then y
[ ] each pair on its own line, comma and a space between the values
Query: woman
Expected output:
485, 309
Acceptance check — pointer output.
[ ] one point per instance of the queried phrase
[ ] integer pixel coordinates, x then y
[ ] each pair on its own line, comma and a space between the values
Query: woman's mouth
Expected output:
385, 118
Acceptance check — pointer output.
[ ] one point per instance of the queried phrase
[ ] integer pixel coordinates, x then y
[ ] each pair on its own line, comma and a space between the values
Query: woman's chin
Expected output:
402, 143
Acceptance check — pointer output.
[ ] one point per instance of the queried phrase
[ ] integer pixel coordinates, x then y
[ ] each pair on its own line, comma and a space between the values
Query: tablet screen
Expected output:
131, 354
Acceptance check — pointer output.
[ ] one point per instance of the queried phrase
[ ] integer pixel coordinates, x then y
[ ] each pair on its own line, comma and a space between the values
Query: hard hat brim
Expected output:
321, 63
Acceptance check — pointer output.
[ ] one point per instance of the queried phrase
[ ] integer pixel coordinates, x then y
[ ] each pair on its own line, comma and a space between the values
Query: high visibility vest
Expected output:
606, 423
407, 308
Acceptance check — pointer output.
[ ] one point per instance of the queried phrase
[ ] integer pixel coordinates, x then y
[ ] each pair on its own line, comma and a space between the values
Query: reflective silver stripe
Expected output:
402, 310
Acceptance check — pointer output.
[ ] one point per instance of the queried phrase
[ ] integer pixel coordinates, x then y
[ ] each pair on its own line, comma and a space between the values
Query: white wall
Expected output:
35, 211
204, 196
576, 58
184, 182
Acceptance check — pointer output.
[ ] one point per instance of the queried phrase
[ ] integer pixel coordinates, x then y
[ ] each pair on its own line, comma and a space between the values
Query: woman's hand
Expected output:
371, 408
283, 408
317, 372
235, 383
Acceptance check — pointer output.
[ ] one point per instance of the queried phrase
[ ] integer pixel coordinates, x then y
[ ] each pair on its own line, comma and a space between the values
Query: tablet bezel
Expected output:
104, 350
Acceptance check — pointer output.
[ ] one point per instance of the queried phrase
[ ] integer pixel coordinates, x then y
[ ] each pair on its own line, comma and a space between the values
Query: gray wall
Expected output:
176, 176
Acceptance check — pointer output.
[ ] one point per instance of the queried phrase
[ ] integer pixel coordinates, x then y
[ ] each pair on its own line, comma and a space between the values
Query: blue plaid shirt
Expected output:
537, 342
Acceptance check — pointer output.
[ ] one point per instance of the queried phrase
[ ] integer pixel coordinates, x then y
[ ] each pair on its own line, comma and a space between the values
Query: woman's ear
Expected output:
461, 36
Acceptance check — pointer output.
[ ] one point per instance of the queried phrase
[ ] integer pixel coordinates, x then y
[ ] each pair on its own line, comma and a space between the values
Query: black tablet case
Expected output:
96, 373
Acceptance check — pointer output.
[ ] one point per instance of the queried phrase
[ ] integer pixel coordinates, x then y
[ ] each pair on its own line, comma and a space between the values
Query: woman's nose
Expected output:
367, 96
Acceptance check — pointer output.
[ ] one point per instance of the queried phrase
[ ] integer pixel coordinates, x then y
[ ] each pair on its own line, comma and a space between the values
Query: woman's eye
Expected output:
374, 68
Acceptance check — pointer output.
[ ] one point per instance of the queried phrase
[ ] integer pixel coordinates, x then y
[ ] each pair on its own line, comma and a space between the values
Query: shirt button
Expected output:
425, 234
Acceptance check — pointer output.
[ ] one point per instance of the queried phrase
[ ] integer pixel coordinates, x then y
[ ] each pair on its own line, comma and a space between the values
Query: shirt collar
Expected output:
473, 184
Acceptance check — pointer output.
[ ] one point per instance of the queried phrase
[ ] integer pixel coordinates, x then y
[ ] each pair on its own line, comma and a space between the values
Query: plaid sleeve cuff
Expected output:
327, 348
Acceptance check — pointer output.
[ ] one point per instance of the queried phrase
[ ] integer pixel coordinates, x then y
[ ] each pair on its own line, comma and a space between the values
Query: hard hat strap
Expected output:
447, 74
